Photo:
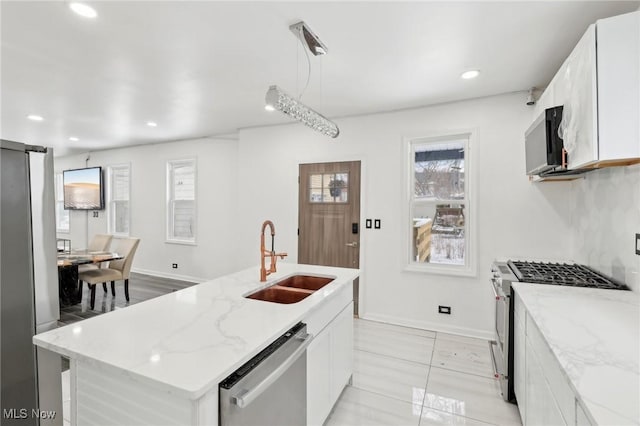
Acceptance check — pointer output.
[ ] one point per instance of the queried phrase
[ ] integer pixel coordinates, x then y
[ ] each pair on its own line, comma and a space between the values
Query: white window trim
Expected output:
110, 212
168, 221
57, 200
470, 268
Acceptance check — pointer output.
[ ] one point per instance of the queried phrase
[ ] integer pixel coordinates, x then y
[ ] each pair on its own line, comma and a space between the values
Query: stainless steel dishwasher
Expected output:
271, 388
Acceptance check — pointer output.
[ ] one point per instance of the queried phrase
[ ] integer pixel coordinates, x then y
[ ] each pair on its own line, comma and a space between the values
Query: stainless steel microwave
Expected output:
543, 144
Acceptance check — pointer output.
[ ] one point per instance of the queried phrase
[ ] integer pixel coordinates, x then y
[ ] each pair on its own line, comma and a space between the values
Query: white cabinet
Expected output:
329, 365
599, 88
544, 395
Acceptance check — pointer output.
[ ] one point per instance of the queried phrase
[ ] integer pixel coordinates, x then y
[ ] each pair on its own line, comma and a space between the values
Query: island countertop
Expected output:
595, 336
188, 341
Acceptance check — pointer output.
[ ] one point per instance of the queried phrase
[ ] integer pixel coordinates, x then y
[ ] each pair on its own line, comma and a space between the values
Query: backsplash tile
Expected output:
605, 218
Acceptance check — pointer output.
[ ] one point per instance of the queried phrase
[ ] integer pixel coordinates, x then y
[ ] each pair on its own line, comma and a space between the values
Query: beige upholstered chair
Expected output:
117, 270
99, 242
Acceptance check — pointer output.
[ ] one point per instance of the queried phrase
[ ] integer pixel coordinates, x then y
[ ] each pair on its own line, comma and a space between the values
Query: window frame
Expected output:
59, 198
110, 202
409, 144
169, 200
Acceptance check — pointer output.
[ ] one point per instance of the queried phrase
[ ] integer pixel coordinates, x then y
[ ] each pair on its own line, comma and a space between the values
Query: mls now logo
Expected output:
23, 413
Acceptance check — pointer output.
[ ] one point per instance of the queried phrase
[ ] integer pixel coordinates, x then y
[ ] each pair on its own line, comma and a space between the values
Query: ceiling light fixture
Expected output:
277, 99
73, 139
35, 117
83, 10
152, 124
309, 38
468, 75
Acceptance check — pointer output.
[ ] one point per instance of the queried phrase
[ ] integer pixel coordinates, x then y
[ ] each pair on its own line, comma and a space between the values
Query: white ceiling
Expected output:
203, 68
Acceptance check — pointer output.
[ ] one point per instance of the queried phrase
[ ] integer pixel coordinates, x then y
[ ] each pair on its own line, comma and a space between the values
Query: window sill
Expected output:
468, 271
182, 242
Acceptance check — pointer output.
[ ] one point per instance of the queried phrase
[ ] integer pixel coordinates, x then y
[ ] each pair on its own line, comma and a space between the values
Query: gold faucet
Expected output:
264, 252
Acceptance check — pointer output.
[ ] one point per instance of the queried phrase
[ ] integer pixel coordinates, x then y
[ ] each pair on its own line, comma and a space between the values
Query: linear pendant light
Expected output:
278, 99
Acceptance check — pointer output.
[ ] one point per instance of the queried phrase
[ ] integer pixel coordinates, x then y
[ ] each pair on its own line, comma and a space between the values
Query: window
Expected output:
62, 215
181, 201
439, 204
118, 216
329, 188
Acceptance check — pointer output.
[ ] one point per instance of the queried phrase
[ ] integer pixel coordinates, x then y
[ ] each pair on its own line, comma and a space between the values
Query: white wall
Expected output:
515, 219
605, 218
217, 176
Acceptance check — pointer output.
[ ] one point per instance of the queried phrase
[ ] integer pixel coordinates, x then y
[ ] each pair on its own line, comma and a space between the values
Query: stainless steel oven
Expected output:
505, 273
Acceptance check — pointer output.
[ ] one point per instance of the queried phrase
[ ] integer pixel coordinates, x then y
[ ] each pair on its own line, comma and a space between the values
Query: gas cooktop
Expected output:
562, 274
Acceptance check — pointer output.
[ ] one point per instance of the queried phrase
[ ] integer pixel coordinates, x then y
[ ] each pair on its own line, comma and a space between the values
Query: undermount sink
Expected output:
306, 282
290, 290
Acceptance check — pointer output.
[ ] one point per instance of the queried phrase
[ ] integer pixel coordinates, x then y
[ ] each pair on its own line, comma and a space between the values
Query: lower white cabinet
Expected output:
329, 366
519, 356
541, 407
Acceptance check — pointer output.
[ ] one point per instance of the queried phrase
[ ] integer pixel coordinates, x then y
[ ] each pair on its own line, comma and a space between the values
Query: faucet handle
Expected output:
282, 255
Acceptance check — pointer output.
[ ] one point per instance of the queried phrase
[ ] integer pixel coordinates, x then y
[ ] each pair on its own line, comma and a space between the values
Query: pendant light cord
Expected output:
308, 69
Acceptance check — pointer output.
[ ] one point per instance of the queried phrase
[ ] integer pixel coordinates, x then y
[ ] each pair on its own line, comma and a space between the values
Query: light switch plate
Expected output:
638, 244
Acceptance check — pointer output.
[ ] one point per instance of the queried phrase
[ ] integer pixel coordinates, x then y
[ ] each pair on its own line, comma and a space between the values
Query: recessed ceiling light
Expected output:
470, 74
73, 139
35, 117
269, 107
152, 124
83, 10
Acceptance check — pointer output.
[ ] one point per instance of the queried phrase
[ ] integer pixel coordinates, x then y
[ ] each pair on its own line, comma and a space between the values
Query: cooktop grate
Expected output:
562, 274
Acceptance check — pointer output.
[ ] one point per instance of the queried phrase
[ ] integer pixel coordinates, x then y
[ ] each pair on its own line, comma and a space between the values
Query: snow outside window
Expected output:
181, 201
439, 202
119, 190
62, 215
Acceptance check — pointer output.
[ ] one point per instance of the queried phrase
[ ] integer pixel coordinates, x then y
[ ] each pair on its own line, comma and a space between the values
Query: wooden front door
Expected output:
329, 216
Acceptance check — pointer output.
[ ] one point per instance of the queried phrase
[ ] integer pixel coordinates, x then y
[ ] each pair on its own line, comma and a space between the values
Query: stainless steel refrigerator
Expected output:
29, 378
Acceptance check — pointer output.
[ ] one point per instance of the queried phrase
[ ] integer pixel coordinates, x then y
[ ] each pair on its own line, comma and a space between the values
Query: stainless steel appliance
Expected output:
505, 273
271, 388
543, 144
30, 378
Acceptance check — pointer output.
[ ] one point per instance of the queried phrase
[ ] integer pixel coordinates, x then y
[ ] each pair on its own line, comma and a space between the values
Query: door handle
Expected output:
353, 244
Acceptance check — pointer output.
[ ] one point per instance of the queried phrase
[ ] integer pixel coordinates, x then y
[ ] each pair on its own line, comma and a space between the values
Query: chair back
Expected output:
127, 248
100, 242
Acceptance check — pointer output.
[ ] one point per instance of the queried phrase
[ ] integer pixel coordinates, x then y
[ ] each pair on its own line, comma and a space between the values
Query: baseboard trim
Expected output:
170, 276
432, 326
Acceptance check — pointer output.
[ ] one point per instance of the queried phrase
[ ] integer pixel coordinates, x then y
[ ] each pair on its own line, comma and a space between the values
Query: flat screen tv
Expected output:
83, 189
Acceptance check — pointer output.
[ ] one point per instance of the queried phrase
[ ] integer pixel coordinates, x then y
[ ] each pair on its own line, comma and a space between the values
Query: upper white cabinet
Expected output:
599, 87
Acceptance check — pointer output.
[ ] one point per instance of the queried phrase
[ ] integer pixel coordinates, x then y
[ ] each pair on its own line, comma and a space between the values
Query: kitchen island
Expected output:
577, 355
160, 362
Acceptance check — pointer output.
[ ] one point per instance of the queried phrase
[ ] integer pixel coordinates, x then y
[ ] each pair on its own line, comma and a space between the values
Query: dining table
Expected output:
69, 288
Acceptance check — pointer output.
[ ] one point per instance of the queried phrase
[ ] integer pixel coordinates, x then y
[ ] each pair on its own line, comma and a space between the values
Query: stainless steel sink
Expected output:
290, 290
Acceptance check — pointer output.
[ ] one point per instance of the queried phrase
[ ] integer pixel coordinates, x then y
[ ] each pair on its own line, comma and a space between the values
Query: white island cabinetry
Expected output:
160, 361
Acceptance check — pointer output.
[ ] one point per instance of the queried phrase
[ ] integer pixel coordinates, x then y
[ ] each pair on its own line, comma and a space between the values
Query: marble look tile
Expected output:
470, 396
431, 417
461, 339
463, 354
357, 407
387, 376
392, 343
375, 325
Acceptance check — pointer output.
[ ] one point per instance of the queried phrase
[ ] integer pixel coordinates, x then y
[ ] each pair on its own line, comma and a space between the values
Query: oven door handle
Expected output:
246, 397
493, 343
495, 291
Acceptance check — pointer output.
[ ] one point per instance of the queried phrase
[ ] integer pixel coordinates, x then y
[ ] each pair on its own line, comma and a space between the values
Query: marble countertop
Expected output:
186, 342
595, 336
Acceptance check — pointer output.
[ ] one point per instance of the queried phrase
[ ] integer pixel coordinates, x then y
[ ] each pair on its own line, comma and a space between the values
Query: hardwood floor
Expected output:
141, 288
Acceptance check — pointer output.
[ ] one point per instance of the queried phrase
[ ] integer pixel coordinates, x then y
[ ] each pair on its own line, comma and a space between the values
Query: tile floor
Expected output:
402, 376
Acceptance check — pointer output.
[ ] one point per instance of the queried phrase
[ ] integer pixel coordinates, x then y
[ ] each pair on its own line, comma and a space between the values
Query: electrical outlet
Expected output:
174, 265
95, 214
638, 244
444, 310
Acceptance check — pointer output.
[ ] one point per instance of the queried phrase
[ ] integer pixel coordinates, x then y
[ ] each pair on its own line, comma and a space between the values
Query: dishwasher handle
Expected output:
247, 396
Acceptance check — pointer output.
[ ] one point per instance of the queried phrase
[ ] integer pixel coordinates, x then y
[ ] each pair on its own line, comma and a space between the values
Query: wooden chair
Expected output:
117, 270
99, 242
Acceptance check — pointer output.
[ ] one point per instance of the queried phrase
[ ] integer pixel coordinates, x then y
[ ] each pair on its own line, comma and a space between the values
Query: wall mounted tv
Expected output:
83, 189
